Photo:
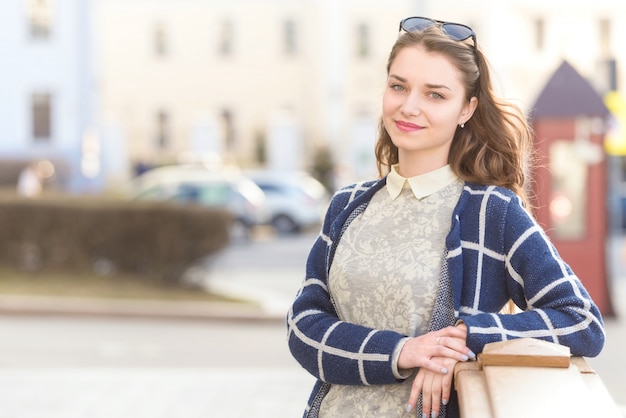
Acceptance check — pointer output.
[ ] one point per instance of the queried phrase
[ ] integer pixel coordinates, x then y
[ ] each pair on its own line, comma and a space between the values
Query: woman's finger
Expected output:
446, 387
435, 396
427, 391
416, 389
447, 352
455, 344
435, 366
455, 332
435, 389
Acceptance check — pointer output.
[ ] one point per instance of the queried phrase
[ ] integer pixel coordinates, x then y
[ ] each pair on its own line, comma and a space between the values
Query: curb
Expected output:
135, 308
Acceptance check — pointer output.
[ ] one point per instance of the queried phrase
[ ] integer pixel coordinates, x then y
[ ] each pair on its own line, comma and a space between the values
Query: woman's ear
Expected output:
468, 110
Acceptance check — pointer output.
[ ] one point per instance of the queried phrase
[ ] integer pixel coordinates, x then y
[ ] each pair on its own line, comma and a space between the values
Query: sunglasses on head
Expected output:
455, 31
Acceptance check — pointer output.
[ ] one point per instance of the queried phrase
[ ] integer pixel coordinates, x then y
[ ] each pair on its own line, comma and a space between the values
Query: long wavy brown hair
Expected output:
495, 146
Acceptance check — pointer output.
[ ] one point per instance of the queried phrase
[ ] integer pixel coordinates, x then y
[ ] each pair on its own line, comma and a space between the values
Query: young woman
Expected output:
411, 272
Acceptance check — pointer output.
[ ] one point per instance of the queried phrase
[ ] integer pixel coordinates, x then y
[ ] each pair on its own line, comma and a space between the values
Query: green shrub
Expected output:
155, 240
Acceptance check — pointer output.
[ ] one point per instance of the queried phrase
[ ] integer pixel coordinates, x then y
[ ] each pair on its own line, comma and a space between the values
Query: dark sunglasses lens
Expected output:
457, 32
416, 24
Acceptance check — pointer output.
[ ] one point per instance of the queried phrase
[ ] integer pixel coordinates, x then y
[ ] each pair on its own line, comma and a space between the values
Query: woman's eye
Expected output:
397, 87
435, 95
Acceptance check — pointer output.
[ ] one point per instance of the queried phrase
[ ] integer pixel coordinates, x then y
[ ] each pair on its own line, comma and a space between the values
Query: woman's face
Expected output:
423, 103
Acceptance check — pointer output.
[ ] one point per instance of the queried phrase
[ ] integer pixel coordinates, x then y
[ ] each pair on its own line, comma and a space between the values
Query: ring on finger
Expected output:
438, 338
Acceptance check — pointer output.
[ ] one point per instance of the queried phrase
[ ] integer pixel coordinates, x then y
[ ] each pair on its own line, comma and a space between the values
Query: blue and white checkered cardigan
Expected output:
495, 252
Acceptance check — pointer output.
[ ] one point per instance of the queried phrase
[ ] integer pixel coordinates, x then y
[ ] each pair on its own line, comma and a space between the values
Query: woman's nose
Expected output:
411, 105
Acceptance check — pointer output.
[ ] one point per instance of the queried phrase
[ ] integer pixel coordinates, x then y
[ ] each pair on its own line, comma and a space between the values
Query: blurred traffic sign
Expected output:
615, 139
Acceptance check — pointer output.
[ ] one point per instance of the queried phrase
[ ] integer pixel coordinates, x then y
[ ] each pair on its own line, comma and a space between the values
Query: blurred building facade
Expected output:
271, 83
48, 97
255, 82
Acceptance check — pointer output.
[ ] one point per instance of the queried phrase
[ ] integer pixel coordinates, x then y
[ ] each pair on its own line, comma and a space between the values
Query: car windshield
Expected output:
291, 184
284, 189
208, 194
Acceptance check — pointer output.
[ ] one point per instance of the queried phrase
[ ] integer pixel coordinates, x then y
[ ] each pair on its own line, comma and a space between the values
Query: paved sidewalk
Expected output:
152, 393
272, 291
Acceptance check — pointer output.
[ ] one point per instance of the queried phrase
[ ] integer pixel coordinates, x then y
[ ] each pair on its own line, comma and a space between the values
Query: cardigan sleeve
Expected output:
332, 350
555, 305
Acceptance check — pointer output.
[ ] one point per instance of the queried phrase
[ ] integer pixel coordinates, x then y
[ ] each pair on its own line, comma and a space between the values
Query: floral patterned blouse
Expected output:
385, 275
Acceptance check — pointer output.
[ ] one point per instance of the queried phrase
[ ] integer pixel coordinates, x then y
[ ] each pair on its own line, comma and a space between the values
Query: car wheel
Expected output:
283, 224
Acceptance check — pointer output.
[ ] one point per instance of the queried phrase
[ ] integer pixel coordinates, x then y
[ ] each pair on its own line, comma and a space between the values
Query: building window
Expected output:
540, 34
225, 40
363, 41
162, 129
41, 111
160, 40
39, 13
290, 40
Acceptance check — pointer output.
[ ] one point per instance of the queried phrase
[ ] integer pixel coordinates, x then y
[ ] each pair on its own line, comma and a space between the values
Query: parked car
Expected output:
295, 201
196, 184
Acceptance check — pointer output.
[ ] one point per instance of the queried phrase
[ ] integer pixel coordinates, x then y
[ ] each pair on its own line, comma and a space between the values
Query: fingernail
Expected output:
433, 414
471, 354
409, 407
424, 415
464, 358
444, 370
444, 402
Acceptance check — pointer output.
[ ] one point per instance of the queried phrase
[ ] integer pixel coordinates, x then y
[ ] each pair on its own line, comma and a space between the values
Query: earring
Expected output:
462, 125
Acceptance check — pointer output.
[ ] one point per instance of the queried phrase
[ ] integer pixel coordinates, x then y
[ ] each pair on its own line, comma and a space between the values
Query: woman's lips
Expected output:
406, 126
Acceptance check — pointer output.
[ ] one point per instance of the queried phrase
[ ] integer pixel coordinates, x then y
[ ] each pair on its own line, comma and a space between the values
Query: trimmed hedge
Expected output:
155, 240
10, 171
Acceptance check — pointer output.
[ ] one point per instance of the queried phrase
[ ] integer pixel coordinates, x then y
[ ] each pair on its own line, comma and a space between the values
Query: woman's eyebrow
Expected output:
397, 77
437, 86
428, 85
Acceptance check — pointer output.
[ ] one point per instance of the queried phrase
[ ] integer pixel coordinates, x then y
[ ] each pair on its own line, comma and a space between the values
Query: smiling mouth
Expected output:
407, 127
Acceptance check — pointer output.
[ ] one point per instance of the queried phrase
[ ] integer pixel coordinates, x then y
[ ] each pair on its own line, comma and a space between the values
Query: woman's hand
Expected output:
448, 342
434, 387
435, 353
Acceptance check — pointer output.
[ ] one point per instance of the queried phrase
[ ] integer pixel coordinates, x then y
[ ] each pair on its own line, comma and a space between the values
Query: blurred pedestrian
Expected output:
29, 182
412, 272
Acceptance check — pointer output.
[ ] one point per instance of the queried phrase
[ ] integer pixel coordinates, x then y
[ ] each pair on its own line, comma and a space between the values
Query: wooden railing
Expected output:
529, 378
